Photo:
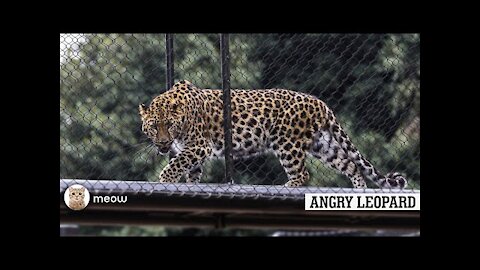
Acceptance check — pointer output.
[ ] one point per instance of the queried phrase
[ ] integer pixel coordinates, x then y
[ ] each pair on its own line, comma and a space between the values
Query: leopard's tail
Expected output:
391, 180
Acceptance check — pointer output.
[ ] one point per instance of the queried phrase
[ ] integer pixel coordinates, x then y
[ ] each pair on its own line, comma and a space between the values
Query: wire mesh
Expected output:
370, 81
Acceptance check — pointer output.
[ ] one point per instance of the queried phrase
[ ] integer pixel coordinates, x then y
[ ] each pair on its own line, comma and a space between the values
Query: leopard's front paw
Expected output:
294, 183
192, 180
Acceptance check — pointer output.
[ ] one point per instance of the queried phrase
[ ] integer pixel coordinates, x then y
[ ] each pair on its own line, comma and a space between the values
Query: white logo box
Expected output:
362, 201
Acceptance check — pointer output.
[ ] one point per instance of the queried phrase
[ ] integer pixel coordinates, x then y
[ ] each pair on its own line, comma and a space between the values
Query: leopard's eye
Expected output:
149, 127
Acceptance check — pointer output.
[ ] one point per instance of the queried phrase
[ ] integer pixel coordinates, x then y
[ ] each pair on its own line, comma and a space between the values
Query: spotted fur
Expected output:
189, 122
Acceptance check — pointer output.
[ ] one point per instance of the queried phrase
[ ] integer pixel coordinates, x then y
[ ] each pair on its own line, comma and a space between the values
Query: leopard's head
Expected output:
164, 120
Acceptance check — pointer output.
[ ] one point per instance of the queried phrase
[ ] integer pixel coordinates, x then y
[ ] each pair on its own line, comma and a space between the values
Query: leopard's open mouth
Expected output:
162, 149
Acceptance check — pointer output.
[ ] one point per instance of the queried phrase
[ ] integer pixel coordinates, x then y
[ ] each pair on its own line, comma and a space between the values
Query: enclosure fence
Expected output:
370, 81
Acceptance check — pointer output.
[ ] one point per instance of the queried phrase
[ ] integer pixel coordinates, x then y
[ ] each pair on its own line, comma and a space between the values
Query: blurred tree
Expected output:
101, 85
371, 81
100, 89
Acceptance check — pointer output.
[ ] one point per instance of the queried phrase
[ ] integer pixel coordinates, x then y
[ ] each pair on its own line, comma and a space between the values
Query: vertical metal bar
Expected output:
227, 114
169, 58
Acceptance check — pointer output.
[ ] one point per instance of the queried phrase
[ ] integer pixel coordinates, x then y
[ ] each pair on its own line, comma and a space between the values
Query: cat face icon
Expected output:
76, 197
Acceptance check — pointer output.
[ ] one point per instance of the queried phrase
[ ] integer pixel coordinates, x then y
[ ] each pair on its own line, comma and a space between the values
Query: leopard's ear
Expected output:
142, 110
189, 85
184, 85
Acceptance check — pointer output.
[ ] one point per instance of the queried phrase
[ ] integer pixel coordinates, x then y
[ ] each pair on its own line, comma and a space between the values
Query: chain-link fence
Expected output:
370, 81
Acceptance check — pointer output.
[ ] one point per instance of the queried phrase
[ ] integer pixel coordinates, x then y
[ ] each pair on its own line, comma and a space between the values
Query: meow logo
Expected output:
76, 197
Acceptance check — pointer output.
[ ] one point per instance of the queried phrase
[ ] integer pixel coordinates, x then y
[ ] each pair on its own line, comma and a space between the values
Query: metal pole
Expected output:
227, 122
169, 57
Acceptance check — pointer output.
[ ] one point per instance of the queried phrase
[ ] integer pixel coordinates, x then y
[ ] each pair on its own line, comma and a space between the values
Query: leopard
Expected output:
188, 123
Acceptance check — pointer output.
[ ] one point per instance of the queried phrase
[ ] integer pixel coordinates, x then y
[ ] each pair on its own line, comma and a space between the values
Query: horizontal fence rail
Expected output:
203, 205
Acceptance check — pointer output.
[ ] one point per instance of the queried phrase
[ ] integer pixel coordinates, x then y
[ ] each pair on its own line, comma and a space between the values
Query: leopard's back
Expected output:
261, 118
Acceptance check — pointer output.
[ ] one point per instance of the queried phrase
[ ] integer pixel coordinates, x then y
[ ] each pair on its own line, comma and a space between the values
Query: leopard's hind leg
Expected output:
292, 157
